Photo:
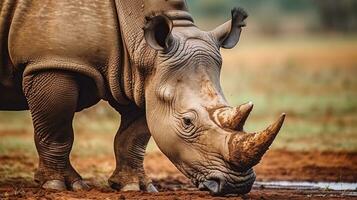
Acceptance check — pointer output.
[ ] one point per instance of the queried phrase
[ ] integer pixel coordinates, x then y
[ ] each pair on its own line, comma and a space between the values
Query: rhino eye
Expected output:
188, 128
186, 124
187, 121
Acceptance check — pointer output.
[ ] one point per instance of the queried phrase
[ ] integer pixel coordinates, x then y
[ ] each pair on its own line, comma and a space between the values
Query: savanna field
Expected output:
309, 76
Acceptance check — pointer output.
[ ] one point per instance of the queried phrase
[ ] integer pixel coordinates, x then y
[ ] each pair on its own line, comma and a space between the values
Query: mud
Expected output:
276, 165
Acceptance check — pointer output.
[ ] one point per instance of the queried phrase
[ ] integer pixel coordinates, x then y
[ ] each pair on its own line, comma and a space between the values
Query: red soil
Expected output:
276, 165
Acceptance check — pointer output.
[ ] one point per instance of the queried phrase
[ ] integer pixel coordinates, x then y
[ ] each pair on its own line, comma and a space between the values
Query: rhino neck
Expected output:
139, 58
176, 10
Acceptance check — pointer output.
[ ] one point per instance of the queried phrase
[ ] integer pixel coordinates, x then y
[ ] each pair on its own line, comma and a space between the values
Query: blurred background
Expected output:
298, 57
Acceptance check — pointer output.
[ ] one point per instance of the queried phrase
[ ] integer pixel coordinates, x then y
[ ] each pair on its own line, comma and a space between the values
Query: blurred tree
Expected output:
331, 15
219, 8
208, 6
338, 15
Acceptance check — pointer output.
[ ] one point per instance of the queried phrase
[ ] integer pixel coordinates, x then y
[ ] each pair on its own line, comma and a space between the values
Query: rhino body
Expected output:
82, 37
152, 64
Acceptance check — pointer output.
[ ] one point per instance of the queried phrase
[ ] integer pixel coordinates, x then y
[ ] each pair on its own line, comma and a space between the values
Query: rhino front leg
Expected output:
52, 98
129, 145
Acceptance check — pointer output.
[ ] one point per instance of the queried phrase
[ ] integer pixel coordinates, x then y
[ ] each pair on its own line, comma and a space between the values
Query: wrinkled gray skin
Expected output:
152, 64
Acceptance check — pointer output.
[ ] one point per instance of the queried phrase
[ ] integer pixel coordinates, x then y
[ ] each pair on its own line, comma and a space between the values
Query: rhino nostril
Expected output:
212, 185
201, 187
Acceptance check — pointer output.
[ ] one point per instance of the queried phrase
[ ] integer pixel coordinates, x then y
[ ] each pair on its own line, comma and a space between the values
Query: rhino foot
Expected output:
58, 185
134, 183
55, 185
135, 187
52, 179
151, 188
130, 187
80, 185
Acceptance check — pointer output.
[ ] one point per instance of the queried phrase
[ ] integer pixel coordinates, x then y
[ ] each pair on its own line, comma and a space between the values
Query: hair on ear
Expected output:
228, 34
157, 32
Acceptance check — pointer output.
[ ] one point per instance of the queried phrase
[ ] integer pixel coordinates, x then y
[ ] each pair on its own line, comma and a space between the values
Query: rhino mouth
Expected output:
228, 184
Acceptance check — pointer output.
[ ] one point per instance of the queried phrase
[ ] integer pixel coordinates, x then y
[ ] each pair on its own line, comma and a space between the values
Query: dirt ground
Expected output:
276, 165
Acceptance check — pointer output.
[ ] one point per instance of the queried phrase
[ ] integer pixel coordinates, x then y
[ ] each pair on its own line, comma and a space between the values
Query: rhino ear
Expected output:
228, 33
157, 32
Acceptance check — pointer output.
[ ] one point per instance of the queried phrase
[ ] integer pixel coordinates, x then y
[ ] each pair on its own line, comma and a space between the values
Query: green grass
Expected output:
19, 121
321, 104
10, 144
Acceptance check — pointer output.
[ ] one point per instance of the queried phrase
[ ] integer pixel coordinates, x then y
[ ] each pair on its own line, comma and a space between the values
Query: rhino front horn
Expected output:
246, 150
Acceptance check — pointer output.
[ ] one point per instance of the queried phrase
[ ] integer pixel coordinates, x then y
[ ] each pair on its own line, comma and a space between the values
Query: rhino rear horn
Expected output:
234, 118
228, 34
157, 32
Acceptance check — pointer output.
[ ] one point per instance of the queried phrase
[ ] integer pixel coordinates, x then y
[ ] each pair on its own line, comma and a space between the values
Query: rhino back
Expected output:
60, 33
84, 30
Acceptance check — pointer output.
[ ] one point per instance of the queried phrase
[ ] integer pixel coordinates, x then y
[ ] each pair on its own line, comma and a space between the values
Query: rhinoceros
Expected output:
152, 64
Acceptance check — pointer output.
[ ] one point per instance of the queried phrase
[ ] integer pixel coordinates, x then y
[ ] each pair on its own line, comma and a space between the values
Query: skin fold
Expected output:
150, 62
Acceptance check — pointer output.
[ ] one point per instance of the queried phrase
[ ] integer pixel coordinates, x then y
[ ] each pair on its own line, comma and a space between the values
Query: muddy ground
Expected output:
276, 165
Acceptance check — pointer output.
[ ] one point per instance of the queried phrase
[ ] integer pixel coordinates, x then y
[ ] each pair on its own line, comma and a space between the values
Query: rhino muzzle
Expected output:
220, 185
245, 150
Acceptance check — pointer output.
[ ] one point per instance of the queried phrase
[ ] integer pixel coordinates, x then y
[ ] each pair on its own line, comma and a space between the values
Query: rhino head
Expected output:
187, 113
